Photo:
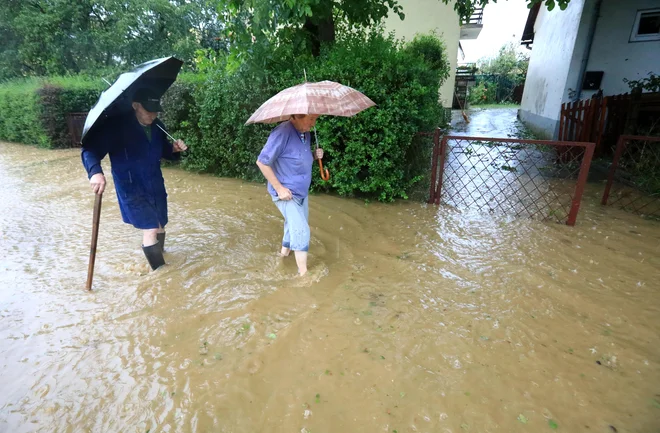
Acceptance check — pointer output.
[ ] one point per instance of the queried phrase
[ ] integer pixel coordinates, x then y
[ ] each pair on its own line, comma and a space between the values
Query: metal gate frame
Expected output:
563, 147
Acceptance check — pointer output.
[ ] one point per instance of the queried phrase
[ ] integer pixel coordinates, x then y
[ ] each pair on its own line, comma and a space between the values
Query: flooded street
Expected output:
492, 122
415, 318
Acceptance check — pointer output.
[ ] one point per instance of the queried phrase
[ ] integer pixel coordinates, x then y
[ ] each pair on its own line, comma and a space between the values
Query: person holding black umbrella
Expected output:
136, 143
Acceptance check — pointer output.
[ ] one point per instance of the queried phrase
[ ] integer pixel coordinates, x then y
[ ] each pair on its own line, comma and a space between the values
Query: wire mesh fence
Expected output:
531, 178
633, 183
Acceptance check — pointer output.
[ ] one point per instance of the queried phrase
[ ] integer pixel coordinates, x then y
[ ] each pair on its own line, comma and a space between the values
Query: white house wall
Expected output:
426, 16
553, 52
612, 52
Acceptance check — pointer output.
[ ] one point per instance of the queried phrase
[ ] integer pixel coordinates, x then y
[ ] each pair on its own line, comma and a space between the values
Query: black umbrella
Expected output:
157, 75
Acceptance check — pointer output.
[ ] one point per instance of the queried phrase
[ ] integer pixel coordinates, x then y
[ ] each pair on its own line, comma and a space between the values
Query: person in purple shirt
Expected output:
286, 163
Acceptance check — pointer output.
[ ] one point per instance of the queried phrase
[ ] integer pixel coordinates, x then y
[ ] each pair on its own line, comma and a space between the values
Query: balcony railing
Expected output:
476, 17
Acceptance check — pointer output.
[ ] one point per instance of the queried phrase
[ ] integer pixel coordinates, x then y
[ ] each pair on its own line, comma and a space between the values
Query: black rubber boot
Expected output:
154, 254
161, 240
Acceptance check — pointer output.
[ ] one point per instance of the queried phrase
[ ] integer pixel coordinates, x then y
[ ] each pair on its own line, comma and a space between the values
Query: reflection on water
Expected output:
414, 319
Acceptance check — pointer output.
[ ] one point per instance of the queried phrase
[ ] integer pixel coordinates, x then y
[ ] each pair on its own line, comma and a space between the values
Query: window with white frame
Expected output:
647, 26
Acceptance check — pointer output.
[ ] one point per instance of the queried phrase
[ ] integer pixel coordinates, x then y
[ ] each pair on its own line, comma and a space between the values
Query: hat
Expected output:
149, 100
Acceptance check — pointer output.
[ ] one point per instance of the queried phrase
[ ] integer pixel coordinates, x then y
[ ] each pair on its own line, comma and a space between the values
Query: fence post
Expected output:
601, 125
434, 165
581, 182
620, 146
562, 119
441, 175
633, 111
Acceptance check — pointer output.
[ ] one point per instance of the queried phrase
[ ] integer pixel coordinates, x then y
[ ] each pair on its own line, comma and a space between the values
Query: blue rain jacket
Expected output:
135, 164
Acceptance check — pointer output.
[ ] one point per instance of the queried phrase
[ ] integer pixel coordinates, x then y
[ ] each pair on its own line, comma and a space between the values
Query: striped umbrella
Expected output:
323, 98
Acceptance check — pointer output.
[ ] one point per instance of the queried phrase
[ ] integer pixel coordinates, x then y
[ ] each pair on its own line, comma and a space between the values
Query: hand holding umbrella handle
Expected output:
325, 174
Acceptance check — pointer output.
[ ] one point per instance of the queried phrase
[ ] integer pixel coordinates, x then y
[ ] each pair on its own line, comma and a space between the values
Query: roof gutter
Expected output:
587, 51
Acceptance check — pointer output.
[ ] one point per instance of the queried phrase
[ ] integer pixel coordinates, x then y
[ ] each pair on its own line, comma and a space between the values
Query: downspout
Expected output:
587, 51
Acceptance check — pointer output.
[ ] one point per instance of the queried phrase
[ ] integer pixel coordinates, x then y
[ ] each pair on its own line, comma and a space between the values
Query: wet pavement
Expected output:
492, 122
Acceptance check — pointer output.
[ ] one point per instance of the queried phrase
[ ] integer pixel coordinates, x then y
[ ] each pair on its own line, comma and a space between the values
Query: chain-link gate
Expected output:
533, 178
633, 183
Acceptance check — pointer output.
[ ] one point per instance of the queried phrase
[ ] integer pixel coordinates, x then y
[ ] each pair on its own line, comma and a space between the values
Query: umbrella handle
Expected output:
325, 174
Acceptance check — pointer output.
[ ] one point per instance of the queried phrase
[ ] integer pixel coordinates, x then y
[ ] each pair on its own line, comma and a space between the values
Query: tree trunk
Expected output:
320, 27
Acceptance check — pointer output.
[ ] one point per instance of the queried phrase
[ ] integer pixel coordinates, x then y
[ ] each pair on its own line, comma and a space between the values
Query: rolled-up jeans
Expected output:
296, 225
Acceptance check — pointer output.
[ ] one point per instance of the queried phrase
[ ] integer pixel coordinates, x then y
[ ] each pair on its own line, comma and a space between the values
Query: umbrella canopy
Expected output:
322, 98
157, 75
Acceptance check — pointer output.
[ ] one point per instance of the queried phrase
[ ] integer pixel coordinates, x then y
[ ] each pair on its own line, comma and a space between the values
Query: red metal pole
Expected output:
581, 182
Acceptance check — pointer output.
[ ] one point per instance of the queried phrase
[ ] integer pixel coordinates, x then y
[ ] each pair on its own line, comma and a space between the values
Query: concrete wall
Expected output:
425, 16
553, 57
560, 52
614, 54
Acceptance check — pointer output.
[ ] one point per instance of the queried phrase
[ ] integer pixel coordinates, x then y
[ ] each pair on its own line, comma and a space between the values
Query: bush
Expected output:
483, 93
60, 96
371, 154
374, 154
35, 111
181, 112
20, 113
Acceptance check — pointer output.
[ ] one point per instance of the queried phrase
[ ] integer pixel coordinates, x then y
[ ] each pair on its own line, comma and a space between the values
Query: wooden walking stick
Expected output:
95, 237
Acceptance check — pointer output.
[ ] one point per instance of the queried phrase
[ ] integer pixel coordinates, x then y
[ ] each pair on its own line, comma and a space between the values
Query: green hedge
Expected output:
373, 154
20, 113
35, 111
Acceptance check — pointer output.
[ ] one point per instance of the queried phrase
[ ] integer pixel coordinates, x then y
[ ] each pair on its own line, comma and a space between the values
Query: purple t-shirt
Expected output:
288, 153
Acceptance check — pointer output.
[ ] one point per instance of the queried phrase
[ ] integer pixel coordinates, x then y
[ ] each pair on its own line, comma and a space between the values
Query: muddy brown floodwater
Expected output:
415, 318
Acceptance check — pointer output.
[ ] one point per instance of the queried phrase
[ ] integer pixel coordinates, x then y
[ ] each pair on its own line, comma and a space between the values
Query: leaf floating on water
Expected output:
522, 418
272, 336
465, 426
318, 398
484, 338
467, 393
553, 425
655, 403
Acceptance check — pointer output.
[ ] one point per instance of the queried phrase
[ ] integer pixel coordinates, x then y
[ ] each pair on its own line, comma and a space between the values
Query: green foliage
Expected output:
223, 144
19, 113
500, 76
373, 154
305, 24
650, 84
465, 8
483, 93
60, 96
510, 61
308, 23
181, 112
34, 111
56, 37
